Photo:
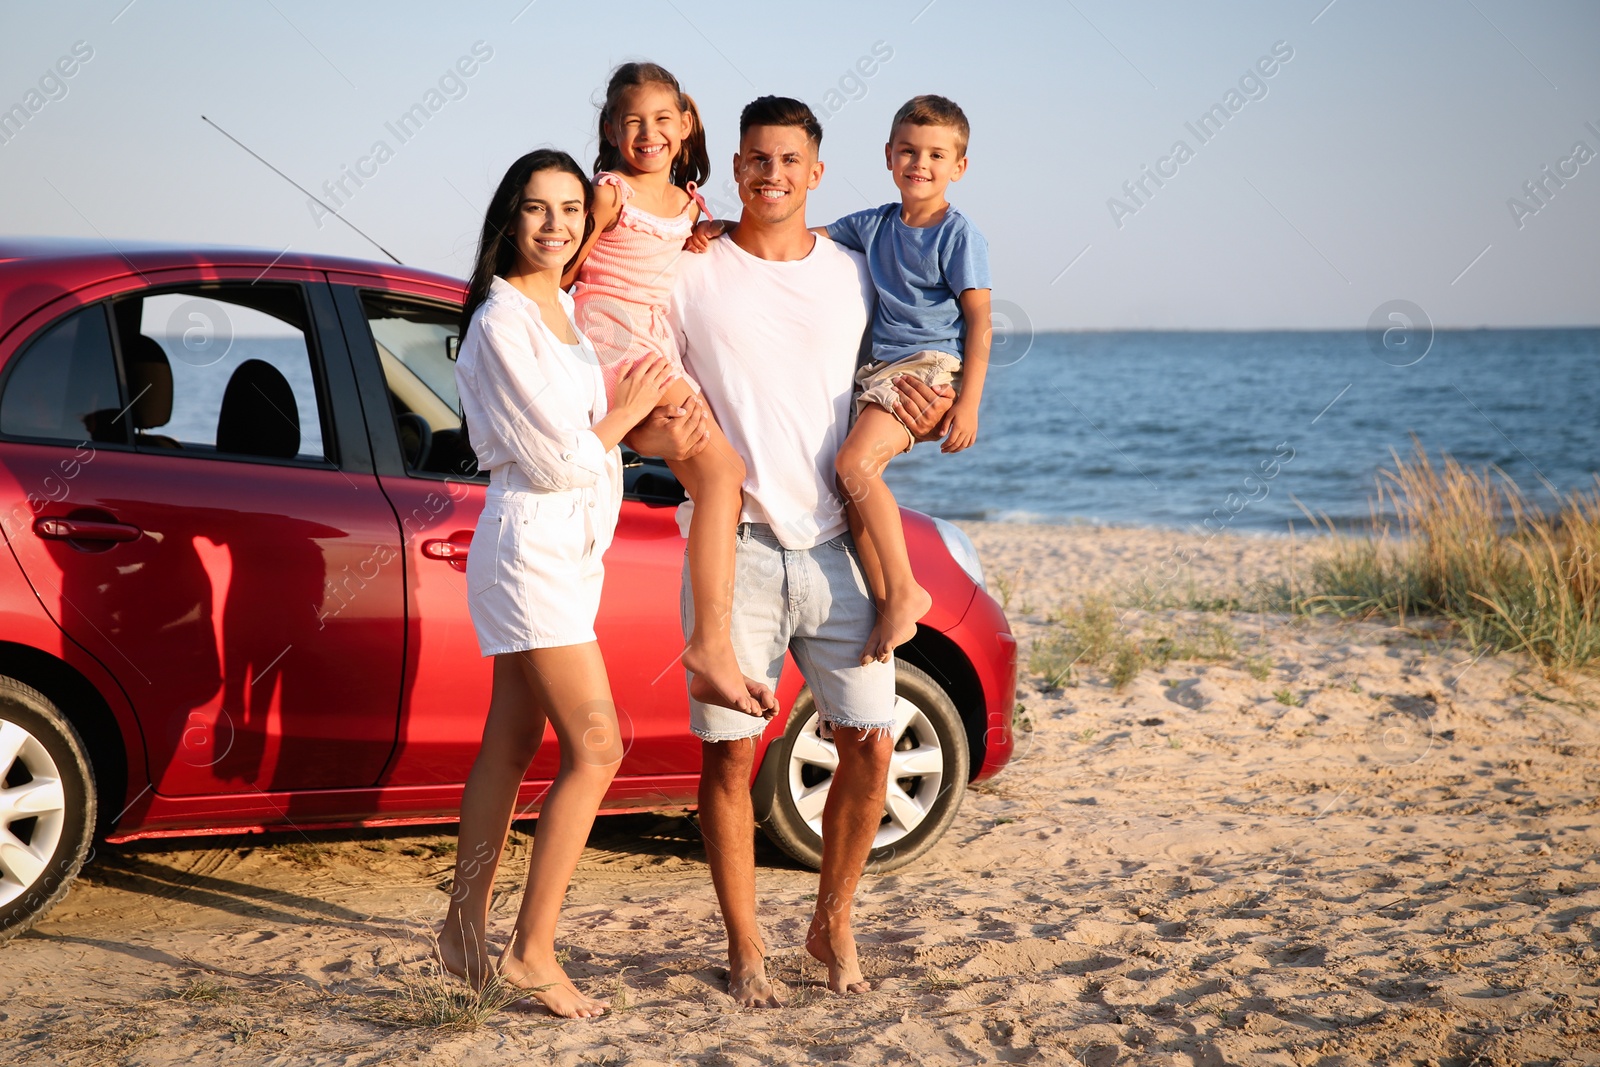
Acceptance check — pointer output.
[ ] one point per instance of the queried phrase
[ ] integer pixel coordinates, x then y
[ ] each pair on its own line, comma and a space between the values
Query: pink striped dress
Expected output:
622, 287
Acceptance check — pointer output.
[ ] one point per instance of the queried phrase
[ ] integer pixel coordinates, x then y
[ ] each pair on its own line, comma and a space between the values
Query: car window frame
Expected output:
382, 428
345, 432
25, 346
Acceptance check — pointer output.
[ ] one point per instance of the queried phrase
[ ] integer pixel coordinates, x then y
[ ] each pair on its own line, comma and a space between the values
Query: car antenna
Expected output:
303, 189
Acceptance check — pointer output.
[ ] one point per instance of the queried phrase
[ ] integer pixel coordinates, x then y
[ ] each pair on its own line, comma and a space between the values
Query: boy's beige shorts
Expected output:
875, 381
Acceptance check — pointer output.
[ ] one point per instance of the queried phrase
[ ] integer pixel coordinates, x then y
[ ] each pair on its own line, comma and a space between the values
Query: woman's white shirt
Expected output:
530, 400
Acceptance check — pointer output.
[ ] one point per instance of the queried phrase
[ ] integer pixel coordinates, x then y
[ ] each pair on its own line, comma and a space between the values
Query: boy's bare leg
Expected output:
728, 825
866, 551
850, 821
876, 438
714, 479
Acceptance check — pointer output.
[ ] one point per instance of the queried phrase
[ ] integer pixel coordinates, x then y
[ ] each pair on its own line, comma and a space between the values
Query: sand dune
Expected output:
1344, 844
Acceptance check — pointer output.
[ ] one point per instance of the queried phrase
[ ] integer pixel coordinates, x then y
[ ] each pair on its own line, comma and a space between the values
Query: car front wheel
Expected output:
47, 806
928, 771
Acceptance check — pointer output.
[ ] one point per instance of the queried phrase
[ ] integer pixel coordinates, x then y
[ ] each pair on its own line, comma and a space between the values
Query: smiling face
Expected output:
549, 223
647, 127
775, 167
924, 161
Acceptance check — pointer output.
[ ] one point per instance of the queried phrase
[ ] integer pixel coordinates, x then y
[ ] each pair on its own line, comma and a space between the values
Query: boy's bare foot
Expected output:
751, 988
458, 956
718, 680
837, 949
897, 624
549, 985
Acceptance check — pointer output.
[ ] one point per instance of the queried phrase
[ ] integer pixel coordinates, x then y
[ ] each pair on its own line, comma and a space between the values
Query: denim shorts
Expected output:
812, 602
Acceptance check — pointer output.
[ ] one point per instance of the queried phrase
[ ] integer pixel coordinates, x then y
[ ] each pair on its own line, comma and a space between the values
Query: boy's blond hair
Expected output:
931, 110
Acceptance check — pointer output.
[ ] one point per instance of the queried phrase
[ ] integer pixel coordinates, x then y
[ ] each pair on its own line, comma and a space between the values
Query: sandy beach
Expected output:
1326, 843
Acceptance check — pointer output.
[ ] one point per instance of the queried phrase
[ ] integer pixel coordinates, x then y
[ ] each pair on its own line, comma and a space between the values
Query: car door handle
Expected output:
58, 529
453, 551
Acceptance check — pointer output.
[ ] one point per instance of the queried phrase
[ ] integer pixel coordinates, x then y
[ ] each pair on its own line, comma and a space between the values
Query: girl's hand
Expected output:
706, 231
962, 429
641, 386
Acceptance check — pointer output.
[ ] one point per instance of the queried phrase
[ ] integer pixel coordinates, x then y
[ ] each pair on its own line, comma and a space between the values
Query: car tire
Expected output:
47, 806
928, 776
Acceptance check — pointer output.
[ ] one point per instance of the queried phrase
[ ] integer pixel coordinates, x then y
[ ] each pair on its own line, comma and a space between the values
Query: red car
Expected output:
237, 500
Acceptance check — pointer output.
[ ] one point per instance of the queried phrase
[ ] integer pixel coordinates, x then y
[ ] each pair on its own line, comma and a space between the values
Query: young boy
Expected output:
930, 267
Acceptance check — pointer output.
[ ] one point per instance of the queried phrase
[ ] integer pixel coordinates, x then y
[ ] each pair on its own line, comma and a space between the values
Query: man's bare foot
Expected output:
549, 985
753, 989
837, 949
897, 623
466, 958
716, 679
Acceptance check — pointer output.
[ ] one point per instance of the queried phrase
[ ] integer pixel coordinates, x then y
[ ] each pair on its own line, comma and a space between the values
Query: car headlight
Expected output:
961, 548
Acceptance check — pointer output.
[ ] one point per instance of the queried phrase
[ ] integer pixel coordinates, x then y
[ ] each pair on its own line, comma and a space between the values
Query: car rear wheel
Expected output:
47, 806
927, 776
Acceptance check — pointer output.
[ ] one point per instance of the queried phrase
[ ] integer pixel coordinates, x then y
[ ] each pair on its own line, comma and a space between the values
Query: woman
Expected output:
533, 399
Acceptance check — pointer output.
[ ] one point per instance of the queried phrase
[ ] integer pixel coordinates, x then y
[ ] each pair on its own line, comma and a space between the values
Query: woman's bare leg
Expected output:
569, 683
511, 737
714, 480
876, 438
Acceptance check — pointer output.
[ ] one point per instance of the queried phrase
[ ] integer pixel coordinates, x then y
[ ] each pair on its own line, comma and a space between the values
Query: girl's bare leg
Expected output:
569, 683
511, 737
876, 438
714, 480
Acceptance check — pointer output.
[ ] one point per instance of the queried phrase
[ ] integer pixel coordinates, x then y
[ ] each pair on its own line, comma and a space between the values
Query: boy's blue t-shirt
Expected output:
919, 272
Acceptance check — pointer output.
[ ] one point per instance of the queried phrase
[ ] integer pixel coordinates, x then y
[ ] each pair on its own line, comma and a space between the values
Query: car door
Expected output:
221, 546
402, 339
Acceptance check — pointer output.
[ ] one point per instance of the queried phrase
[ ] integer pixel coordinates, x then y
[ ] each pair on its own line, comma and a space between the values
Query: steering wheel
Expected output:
424, 434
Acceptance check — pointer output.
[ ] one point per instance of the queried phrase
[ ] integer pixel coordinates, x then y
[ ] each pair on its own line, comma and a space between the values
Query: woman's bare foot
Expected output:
837, 949
751, 988
465, 957
718, 680
549, 985
897, 623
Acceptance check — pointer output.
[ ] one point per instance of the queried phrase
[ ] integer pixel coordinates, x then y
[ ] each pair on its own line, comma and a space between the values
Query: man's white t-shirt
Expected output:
774, 346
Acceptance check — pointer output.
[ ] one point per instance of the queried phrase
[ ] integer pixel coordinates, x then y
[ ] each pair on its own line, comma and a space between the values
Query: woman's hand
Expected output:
641, 386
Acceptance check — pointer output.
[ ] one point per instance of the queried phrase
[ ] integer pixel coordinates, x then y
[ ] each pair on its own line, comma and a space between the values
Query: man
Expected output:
770, 320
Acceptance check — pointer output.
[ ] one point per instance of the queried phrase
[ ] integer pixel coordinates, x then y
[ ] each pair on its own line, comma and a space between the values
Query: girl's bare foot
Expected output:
718, 680
837, 949
897, 623
549, 985
465, 957
753, 989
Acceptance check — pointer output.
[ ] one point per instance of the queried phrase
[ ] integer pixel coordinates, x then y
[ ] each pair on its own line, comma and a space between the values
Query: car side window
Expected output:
416, 342
221, 369
63, 385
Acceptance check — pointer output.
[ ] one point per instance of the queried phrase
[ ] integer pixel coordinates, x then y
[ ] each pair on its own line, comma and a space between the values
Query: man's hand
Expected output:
962, 429
923, 407
672, 433
705, 231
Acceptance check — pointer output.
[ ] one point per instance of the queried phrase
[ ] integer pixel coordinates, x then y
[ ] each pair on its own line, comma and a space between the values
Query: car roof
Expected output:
74, 262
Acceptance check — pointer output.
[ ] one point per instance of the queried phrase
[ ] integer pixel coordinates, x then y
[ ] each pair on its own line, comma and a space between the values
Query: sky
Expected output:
1383, 158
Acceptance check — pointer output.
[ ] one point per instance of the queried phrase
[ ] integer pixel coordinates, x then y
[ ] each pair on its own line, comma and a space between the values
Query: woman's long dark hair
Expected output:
497, 252
692, 164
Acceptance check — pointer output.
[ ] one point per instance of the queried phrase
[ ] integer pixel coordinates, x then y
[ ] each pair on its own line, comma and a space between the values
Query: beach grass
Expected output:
1093, 633
1469, 546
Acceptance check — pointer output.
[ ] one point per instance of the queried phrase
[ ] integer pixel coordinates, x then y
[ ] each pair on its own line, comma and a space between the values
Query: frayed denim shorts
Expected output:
813, 602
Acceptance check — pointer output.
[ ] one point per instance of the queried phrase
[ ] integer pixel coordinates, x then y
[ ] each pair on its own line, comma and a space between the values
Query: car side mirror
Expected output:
452, 347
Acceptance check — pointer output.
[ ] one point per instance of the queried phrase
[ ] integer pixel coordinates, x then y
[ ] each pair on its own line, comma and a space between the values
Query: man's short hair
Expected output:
780, 111
930, 110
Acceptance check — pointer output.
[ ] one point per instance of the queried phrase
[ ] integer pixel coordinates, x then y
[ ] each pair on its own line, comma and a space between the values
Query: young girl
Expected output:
541, 426
652, 153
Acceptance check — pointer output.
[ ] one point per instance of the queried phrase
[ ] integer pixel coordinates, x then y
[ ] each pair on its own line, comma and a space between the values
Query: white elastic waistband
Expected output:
509, 476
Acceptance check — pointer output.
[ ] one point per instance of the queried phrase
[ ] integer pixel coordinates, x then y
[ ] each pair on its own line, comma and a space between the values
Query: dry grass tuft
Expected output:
1467, 545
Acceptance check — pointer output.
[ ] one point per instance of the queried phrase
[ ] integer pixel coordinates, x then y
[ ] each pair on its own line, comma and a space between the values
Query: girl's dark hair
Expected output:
497, 252
693, 164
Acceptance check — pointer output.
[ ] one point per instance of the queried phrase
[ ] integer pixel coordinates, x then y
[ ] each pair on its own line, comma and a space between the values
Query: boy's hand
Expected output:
705, 231
961, 428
